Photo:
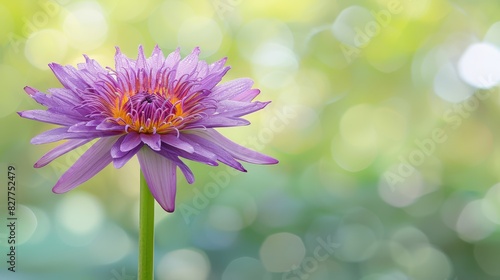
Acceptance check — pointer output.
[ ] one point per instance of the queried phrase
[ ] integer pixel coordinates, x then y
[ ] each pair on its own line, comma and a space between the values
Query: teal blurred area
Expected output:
383, 117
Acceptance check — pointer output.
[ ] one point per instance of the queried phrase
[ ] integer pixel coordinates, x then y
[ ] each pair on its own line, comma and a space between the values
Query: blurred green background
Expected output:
383, 116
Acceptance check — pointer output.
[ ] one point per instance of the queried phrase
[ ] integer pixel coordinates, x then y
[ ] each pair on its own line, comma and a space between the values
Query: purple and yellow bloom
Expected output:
159, 108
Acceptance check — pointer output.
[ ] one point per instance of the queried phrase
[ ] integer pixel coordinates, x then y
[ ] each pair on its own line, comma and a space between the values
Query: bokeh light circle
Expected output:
85, 25
280, 251
27, 224
183, 264
244, 268
44, 47
165, 20
357, 243
349, 24
490, 204
449, 86
472, 224
259, 31
225, 218
401, 185
200, 32
110, 245
80, 213
479, 66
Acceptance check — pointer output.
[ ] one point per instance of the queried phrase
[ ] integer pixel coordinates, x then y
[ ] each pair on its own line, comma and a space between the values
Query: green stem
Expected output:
146, 232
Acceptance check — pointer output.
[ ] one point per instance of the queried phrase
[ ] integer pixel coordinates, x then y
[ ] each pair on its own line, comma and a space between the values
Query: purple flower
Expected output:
161, 109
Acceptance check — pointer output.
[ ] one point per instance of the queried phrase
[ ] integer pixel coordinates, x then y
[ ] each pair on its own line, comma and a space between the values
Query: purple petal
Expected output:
65, 98
68, 76
160, 174
199, 155
220, 121
237, 109
173, 59
216, 66
59, 151
173, 141
81, 127
92, 67
121, 161
93, 123
246, 96
90, 72
120, 158
222, 155
156, 60
231, 88
115, 151
188, 64
48, 117
52, 135
90, 163
184, 168
110, 126
31, 91
39, 97
141, 59
152, 140
122, 61
201, 69
237, 151
210, 81
62, 133
131, 140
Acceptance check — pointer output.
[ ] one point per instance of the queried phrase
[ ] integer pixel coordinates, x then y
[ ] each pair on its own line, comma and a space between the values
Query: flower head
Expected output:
160, 108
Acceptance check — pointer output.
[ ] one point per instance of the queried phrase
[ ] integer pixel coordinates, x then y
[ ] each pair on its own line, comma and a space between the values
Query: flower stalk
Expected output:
146, 232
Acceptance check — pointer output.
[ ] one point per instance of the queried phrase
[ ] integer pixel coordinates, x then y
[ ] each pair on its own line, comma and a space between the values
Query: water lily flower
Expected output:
159, 108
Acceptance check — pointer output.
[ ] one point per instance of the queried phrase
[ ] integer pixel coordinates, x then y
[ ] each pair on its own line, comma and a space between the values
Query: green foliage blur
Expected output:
383, 117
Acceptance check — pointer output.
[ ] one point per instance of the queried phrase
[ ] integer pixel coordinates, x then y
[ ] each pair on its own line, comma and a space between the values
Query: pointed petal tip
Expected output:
272, 161
156, 49
221, 61
40, 163
141, 51
57, 190
29, 90
168, 208
54, 65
